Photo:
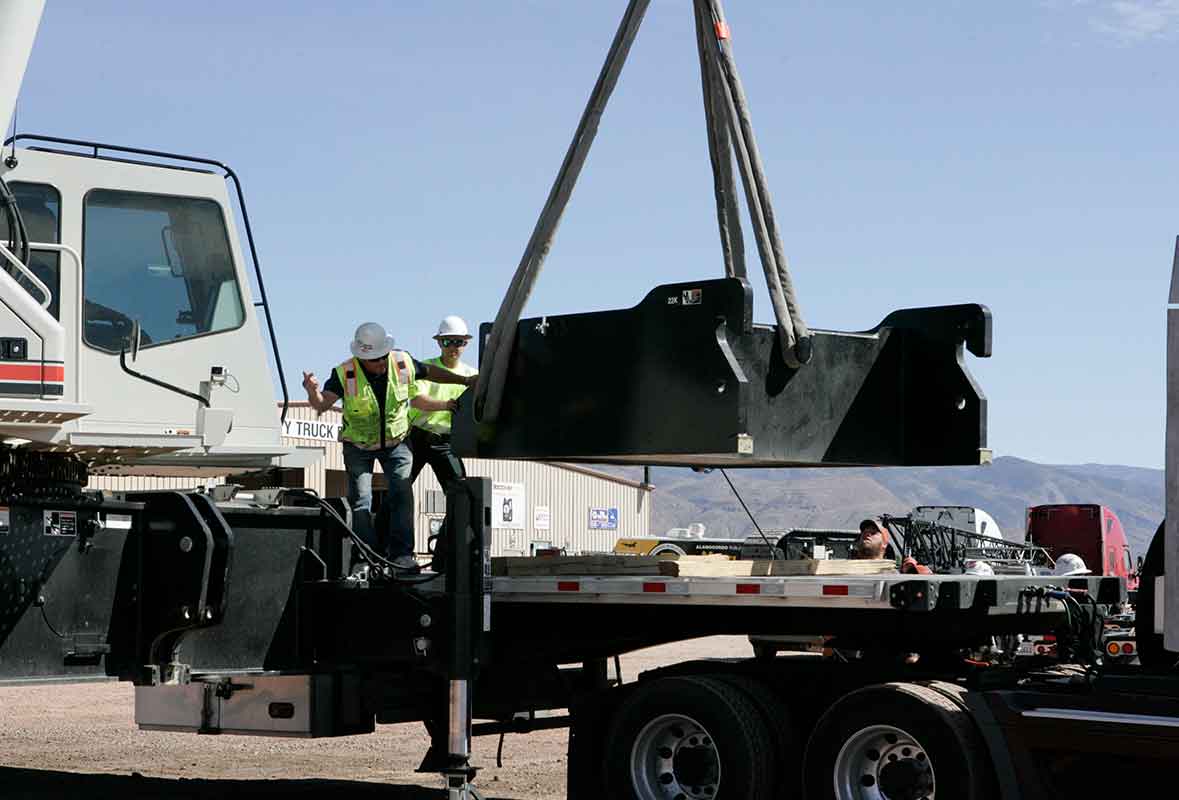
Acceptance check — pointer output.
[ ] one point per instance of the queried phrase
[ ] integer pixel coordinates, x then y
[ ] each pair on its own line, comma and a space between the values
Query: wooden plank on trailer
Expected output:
581, 565
708, 567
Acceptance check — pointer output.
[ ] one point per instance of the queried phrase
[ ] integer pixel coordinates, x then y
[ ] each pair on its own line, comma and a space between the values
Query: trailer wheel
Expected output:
897, 742
687, 738
784, 766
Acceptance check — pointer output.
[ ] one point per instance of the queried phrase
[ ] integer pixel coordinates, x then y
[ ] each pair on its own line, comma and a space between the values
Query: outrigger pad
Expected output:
686, 379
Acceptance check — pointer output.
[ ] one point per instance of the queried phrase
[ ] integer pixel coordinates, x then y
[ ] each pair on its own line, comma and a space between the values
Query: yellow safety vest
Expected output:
362, 423
439, 421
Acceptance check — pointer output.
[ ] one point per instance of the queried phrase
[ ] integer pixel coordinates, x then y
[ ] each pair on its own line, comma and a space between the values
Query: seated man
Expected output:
873, 541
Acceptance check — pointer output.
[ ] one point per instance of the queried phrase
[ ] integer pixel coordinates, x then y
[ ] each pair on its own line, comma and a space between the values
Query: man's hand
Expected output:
310, 384
452, 405
472, 379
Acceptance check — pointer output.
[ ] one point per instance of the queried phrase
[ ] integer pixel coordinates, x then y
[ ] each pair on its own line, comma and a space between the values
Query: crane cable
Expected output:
730, 133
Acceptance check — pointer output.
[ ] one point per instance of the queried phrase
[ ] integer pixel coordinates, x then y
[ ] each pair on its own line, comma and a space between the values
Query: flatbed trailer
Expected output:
261, 628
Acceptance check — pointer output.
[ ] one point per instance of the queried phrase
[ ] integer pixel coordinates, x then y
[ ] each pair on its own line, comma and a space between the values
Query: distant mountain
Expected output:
787, 498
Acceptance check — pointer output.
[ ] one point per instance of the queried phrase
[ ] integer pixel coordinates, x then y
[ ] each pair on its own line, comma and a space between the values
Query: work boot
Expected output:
406, 563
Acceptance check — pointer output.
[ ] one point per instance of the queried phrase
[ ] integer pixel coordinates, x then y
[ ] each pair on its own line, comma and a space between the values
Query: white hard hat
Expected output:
371, 341
452, 326
975, 567
1070, 564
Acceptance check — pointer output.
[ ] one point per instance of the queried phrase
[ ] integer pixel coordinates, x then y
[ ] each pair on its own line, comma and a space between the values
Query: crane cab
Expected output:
131, 337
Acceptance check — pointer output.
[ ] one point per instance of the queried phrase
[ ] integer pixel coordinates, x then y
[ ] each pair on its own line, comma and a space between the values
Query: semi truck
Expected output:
1090, 531
241, 614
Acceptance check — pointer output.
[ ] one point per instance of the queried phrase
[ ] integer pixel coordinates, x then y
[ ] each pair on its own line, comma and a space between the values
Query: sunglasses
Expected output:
453, 342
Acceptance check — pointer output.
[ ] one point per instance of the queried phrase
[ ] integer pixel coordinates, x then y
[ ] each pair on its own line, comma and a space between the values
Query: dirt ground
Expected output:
80, 741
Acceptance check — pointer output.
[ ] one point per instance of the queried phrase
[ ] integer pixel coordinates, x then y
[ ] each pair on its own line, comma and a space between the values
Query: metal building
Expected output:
536, 505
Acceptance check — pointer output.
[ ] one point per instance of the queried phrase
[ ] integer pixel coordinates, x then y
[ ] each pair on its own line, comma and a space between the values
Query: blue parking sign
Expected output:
603, 519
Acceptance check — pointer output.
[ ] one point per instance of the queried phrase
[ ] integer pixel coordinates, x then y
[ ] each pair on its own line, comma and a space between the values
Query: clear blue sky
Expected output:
1019, 154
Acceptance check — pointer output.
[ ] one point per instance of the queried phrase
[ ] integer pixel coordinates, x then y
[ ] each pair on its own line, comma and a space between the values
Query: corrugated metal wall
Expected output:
568, 492
569, 496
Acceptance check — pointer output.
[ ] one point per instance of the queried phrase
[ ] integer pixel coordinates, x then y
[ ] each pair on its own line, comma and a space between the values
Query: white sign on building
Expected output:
603, 519
312, 429
541, 518
507, 506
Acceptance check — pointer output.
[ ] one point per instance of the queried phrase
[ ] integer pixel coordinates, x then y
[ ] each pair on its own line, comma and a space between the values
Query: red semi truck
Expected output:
1092, 532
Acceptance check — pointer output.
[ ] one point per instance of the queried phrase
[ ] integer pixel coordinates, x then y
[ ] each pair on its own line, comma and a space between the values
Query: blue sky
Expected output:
395, 156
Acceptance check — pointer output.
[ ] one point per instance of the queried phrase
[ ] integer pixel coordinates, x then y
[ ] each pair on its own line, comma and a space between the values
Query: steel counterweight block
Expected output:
686, 379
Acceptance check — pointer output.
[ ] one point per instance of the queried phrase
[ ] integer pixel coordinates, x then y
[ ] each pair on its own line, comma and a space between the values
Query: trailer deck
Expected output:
1000, 595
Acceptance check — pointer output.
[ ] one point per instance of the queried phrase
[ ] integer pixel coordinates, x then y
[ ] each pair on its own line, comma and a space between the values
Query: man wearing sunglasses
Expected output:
378, 386
429, 436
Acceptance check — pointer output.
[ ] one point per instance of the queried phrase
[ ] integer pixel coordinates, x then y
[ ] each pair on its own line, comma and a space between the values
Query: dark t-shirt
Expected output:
380, 384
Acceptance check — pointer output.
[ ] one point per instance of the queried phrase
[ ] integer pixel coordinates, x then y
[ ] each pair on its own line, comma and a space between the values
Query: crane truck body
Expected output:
244, 615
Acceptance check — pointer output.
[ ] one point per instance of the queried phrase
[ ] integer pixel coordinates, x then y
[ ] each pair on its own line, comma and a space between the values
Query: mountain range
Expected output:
825, 498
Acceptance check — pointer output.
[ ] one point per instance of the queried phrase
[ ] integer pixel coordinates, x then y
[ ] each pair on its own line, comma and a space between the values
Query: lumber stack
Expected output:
721, 567
711, 566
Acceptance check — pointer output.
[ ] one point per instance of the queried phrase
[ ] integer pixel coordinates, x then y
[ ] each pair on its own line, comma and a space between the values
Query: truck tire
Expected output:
1151, 651
784, 761
897, 741
688, 738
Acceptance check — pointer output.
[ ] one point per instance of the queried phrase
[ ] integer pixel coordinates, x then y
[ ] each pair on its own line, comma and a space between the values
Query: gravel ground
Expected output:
80, 741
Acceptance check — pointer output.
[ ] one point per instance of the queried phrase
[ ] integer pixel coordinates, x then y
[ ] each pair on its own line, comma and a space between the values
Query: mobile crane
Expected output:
238, 615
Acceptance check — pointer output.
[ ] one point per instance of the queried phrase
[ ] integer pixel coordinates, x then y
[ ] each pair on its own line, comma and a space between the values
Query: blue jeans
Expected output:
396, 463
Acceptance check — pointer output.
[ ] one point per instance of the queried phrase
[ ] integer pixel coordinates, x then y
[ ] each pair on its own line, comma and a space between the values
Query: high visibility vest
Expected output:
362, 422
439, 421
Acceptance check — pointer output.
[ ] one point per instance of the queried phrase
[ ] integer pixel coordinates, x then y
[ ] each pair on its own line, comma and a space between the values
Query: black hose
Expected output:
370, 555
18, 236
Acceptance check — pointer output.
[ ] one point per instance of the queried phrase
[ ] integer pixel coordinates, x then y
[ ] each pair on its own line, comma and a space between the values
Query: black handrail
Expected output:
241, 200
157, 382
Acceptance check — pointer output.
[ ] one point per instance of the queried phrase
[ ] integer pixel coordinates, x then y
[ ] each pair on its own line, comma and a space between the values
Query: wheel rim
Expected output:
883, 763
674, 758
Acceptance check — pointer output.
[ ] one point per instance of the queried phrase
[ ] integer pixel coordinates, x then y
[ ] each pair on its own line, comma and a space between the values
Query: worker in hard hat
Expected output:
429, 435
973, 566
379, 385
1070, 564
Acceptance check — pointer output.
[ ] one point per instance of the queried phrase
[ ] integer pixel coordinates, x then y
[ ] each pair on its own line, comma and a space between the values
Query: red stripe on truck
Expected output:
49, 373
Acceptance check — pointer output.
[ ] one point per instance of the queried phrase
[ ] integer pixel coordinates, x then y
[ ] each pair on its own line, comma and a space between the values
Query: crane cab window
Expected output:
158, 260
40, 209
